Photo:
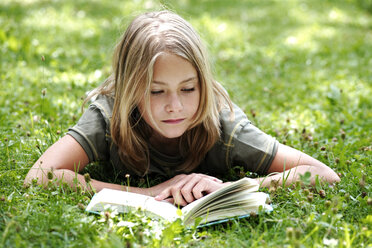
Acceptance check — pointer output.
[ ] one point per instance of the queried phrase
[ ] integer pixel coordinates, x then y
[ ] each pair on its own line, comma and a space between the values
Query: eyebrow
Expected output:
182, 82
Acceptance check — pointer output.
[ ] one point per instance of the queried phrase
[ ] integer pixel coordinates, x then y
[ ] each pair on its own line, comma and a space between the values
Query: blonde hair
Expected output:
148, 36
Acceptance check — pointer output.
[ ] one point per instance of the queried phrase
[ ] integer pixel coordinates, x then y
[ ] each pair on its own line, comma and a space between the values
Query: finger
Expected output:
163, 195
200, 187
171, 195
173, 191
182, 195
177, 197
192, 180
213, 178
170, 200
206, 186
217, 180
186, 190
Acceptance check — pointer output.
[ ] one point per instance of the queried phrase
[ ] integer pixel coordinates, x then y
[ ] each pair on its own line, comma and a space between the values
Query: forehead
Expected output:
169, 67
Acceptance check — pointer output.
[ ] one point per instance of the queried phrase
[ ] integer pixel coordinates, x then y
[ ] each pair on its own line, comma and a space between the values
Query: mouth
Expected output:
173, 121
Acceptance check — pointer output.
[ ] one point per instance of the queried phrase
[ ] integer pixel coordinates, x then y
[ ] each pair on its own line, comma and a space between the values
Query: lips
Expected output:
173, 121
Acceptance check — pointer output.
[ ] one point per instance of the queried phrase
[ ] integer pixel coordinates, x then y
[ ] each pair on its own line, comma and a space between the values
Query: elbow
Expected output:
37, 176
31, 179
334, 178
328, 175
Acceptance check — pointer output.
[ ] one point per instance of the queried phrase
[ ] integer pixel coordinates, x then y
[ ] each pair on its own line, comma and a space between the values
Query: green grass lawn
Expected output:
300, 69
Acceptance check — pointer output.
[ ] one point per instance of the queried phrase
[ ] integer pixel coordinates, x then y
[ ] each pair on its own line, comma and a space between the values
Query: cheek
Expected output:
155, 107
144, 113
194, 103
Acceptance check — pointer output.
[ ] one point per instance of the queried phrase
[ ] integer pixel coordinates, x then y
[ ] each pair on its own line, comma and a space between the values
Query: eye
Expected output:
188, 90
156, 92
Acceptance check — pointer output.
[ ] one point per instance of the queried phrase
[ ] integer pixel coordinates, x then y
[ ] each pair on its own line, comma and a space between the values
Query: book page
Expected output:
244, 184
243, 207
126, 202
250, 201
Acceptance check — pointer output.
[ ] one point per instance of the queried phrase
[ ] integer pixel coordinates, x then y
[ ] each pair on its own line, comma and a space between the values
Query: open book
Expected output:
239, 199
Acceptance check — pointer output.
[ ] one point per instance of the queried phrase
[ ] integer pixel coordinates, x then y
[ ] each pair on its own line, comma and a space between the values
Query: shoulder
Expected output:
243, 143
99, 110
104, 104
92, 131
232, 121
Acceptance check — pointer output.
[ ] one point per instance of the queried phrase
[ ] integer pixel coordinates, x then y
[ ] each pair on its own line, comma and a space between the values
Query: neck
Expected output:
165, 145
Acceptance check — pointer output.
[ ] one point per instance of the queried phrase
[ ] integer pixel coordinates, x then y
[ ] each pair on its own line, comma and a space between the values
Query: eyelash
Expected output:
188, 90
158, 92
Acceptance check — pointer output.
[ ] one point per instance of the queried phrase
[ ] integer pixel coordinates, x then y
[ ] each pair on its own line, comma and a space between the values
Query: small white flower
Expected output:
330, 242
126, 224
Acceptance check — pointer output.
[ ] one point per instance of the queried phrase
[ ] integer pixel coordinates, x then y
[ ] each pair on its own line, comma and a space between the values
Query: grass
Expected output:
300, 70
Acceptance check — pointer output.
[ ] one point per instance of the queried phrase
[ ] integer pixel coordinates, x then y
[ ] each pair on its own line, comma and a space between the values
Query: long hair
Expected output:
147, 37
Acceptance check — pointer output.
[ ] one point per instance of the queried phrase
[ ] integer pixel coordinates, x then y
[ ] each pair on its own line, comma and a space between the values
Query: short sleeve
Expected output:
241, 144
90, 133
247, 145
252, 148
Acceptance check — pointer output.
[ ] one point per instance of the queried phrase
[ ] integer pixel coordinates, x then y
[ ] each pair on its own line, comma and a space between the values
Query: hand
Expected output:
184, 189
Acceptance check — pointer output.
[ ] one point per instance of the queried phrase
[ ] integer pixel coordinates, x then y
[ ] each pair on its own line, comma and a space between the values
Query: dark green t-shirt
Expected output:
241, 144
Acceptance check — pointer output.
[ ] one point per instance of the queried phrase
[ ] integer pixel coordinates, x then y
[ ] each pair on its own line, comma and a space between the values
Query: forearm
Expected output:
75, 180
290, 176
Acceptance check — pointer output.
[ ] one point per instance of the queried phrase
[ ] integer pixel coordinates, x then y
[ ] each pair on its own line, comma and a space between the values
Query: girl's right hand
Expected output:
184, 189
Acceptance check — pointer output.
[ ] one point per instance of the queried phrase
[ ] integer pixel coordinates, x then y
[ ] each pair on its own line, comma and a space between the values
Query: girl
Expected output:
162, 113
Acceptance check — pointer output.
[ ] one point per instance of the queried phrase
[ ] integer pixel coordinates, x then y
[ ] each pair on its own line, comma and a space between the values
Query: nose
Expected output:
174, 103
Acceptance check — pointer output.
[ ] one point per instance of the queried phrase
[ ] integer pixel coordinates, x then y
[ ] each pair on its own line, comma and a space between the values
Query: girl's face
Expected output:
174, 96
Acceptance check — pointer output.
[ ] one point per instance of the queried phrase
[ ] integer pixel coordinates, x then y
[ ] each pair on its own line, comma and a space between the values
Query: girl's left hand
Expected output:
184, 189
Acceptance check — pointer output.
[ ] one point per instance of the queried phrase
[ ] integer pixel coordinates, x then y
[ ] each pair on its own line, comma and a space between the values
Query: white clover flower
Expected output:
126, 224
330, 242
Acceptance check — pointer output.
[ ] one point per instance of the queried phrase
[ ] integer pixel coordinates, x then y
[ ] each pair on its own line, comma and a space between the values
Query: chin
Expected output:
173, 135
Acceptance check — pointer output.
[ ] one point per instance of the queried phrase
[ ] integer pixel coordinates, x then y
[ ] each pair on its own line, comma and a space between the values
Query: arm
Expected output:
184, 189
296, 163
65, 158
